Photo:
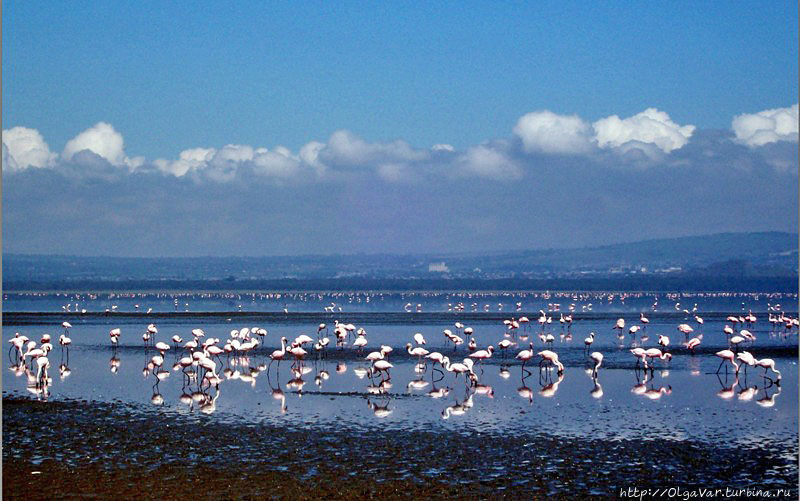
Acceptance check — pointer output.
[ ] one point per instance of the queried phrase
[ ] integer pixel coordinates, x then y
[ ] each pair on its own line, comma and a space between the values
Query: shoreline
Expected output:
85, 448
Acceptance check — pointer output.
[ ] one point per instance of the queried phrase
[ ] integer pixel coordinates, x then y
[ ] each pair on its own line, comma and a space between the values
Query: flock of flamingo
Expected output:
200, 361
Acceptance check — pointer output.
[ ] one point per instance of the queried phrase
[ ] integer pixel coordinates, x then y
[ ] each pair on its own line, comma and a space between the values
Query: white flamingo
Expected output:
598, 359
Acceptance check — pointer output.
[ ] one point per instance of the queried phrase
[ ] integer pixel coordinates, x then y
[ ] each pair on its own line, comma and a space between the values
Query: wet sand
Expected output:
124, 450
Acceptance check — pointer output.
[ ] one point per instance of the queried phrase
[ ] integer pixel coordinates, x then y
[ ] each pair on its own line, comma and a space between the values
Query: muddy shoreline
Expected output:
102, 450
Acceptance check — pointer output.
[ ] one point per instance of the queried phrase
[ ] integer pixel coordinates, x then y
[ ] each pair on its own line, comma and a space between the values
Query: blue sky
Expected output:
399, 78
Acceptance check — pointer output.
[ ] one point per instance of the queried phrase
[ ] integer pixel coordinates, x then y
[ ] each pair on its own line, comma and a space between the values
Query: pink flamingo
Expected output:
481, 355
727, 356
767, 364
656, 353
551, 358
278, 354
525, 355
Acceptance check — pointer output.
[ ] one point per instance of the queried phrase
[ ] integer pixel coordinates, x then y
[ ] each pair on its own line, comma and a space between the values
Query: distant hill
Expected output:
766, 254
775, 251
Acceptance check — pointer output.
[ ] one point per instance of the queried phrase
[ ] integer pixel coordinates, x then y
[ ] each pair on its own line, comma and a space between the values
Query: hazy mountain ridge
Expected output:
725, 254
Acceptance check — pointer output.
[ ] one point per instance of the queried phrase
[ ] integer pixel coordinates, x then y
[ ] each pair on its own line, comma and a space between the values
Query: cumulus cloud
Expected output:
488, 162
346, 149
278, 163
309, 155
648, 127
641, 139
23, 148
188, 160
768, 126
222, 165
547, 132
102, 140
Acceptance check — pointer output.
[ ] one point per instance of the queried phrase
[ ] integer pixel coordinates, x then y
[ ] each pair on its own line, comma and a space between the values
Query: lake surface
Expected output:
680, 402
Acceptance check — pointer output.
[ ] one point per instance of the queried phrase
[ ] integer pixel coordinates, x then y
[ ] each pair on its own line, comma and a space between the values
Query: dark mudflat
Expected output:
122, 451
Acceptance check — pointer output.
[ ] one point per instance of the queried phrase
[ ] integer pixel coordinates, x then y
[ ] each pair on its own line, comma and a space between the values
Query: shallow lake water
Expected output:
681, 401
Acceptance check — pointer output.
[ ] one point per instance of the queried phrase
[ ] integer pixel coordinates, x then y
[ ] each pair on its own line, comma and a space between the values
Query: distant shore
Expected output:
644, 283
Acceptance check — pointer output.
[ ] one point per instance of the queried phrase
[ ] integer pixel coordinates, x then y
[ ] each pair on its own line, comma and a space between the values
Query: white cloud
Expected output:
189, 160
102, 140
23, 148
346, 149
487, 162
443, 147
547, 132
309, 155
650, 126
278, 163
768, 126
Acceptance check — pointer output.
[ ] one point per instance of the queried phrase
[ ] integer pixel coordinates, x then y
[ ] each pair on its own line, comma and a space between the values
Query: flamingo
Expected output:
525, 355
34, 352
381, 366
162, 347
643, 319
454, 410
551, 358
588, 341
620, 324
641, 356
360, 342
747, 335
458, 368
504, 345
767, 364
418, 352
279, 354
692, 344
42, 364
298, 353
115, 334
303, 339
419, 339
727, 356
656, 353
663, 340
376, 355
448, 335
542, 318
598, 359
17, 342
436, 357
746, 358
482, 355
64, 341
